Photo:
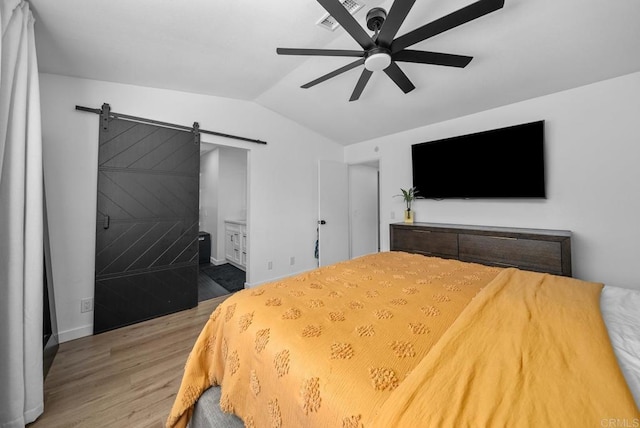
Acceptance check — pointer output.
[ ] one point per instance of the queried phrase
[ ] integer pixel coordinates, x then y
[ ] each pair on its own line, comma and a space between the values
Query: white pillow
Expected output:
621, 312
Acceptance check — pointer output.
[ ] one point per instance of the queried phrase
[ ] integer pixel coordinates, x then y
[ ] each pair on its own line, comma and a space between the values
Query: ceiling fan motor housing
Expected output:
377, 59
375, 18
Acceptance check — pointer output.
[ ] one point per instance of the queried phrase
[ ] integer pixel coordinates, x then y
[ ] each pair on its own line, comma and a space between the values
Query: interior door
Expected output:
333, 228
147, 223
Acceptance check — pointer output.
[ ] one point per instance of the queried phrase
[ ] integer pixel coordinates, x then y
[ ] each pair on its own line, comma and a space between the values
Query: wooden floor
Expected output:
123, 378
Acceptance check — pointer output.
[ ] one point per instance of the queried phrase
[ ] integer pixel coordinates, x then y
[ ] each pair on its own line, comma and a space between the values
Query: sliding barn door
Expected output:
147, 223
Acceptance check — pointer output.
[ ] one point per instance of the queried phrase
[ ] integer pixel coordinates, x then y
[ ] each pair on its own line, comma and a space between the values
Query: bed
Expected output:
401, 339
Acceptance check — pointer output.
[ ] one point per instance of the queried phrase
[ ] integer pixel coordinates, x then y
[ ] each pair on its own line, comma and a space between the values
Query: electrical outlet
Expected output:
86, 305
270, 265
292, 261
393, 215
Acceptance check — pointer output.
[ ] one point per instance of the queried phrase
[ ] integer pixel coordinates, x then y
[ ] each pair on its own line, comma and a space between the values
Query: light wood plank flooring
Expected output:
123, 378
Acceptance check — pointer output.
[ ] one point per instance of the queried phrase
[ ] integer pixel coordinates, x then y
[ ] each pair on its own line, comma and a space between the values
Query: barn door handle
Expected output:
106, 222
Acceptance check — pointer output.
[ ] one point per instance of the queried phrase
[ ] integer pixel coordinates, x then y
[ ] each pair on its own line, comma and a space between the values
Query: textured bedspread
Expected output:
529, 350
402, 340
328, 347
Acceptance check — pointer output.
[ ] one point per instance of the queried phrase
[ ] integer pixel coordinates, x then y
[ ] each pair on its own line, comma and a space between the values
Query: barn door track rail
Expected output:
106, 113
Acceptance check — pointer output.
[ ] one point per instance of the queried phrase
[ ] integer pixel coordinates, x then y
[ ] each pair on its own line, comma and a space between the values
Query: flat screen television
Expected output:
500, 163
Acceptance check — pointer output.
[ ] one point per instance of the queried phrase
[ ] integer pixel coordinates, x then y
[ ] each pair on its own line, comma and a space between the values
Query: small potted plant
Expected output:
408, 195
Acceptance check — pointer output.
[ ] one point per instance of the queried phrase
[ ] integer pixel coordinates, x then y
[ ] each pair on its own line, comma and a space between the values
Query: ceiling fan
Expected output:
383, 50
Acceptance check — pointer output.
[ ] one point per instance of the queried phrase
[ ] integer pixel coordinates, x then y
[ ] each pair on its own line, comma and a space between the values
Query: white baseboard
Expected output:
217, 262
75, 333
278, 278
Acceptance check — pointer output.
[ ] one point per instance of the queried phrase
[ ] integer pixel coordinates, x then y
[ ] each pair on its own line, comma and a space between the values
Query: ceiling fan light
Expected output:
378, 61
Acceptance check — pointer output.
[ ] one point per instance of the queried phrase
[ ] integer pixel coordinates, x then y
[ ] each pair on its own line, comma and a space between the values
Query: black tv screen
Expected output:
500, 163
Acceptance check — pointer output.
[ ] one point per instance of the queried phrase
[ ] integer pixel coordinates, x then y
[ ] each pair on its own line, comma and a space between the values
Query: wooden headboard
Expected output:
537, 250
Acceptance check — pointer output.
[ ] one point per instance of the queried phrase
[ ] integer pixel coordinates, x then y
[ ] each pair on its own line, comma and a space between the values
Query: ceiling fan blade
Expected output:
436, 58
362, 82
334, 73
398, 76
348, 22
318, 52
396, 16
454, 19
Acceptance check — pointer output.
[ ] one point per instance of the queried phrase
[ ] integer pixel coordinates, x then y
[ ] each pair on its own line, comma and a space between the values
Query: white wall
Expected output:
233, 184
282, 179
209, 183
592, 151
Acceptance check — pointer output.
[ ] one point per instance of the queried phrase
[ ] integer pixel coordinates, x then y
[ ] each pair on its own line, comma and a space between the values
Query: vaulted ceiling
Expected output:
527, 49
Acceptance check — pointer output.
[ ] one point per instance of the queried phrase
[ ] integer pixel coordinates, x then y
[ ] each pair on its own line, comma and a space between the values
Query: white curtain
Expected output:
21, 220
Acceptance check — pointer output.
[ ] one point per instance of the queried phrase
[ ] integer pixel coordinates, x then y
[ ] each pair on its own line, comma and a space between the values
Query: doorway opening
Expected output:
223, 228
364, 208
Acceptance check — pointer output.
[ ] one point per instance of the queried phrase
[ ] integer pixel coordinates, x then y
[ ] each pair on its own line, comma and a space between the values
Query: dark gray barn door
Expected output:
147, 223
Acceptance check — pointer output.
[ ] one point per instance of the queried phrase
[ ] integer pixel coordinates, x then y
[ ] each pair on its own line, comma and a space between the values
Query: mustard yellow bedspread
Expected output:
401, 340
329, 347
531, 350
